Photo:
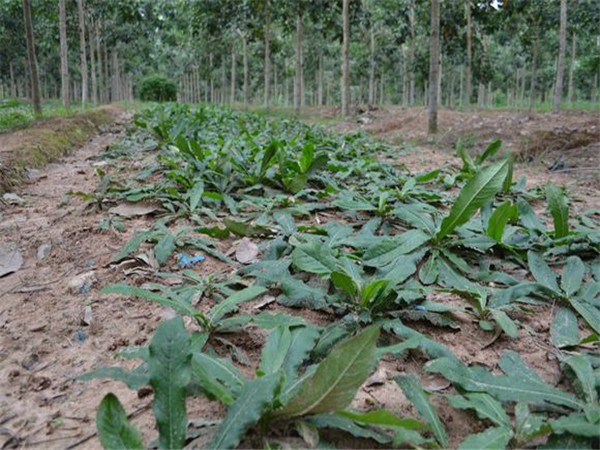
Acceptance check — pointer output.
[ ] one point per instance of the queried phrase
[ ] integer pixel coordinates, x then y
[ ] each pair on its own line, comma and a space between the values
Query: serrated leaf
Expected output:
230, 303
541, 271
114, 430
165, 248
412, 390
495, 438
478, 191
557, 204
243, 229
222, 369
252, 402
275, 349
584, 372
589, 312
338, 422
572, 275
484, 405
490, 151
565, 330
132, 245
169, 368
384, 419
337, 378
576, 424
429, 271
195, 194
500, 217
506, 323
314, 257
516, 386
174, 301
388, 250
136, 379
303, 340
209, 383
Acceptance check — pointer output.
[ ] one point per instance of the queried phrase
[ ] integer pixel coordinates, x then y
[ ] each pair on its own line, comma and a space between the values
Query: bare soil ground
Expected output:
47, 335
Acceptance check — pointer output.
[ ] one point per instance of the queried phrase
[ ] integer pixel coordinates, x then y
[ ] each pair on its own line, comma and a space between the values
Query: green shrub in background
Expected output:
158, 88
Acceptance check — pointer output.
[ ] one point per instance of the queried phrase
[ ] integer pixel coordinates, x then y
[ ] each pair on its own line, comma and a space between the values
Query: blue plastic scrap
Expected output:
187, 260
419, 308
80, 336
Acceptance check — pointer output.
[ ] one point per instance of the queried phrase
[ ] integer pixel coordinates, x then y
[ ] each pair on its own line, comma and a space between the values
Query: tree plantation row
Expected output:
295, 53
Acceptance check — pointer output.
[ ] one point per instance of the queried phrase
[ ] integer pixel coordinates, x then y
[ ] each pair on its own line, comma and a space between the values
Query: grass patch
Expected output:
47, 140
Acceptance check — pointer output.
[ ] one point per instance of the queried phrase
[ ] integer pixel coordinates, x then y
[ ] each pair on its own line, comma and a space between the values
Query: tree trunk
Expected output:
275, 82
82, 54
372, 69
562, 47
468, 86
223, 83
286, 82
116, 90
93, 66
451, 88
211, 79
267, 56
101, 97
33, 70
245, 57
320, 81
534, 58
64, 60
434, 65
298, 77
13, 84
406, 81
232, 93
480, 95
107, 84
595, 90
411, 20
345, 60
571, 70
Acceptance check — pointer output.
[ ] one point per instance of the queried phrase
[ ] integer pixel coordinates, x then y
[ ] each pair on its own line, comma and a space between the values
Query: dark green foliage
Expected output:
158, 88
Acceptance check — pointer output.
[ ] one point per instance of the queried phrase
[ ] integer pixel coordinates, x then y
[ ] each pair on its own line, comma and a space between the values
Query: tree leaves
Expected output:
478, 191
334, 384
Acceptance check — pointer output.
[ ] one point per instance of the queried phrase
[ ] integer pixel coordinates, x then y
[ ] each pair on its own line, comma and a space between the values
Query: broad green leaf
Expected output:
269, 321
584, 372
541, 271
268, 156
495, 438
303, 340
132, 245
478, 191
589, 312
244, 229
250, 405
557, 204
510, 387
486, 407
221, 369
230, 303
169, 367
430, 270
174, 302
337, 378
505, 322
490, 151
528, 217
135, 379
195, 194
572, 275
500, 217
565, 330
306, 159
414, 392
209, 383
576, 424
528, 425
275, 349
383, 418
509, 176
388, 250
114, 430
165, 248
345, 283
417, 216
339, 422
314, 257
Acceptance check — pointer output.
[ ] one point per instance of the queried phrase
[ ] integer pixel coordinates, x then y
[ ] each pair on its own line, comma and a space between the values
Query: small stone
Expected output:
13, 199
82, 282
43, 251
378, 378
88, 316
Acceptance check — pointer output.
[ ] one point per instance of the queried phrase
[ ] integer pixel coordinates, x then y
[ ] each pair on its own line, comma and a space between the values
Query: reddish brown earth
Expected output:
45, 341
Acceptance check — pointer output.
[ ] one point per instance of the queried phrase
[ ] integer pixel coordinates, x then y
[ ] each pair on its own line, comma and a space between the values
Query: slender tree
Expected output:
64, 60
345, 60
562, 48
267, 55
33, 70
571, 70
93, 65
298, 77
434, 65
82, 53
469, 68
